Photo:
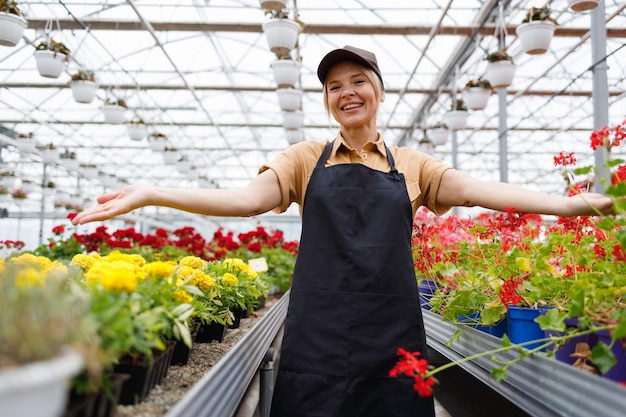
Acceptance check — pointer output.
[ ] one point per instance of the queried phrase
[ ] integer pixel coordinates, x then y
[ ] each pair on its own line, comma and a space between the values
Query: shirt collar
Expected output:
379, 144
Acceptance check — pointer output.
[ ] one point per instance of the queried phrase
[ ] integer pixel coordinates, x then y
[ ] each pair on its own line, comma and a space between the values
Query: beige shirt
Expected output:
295, 166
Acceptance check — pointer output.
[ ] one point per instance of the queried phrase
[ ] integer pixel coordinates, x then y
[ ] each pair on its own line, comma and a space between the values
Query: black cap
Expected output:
348, 53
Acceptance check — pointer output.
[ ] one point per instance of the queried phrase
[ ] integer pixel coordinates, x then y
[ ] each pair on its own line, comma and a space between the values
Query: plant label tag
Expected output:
258, 264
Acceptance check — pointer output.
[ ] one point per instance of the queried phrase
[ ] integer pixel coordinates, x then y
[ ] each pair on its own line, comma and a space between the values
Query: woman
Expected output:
354, 298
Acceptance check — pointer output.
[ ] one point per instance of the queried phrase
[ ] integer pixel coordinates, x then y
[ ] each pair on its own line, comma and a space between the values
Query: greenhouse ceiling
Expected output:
199, 72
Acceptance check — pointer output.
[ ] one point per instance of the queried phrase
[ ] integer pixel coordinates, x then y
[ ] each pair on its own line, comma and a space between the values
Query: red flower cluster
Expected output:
565, 160
508, 292
411, 365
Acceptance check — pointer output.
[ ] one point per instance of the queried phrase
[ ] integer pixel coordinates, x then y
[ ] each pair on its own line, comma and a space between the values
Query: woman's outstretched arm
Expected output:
259, 196
459, 189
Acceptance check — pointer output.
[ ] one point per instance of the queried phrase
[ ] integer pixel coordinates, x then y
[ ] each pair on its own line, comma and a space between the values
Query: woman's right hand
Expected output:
115, 203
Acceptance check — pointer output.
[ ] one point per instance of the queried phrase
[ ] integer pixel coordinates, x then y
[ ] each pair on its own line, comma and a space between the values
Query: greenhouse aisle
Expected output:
460, 394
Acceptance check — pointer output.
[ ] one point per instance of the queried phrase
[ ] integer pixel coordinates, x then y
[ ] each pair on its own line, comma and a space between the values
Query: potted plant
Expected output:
89, 170
50, 154
500, 69
157, 141
476, 93
114, 110
136, 128
26, 143
289, 99
19, 194
281, 32
51, 57
438, 134
456, 117
4, 190
293, 119
536, 30
42, 331
425, 145
70, 161
275, 5
84, 86
582, 5
286, 70
170, 155
12, 24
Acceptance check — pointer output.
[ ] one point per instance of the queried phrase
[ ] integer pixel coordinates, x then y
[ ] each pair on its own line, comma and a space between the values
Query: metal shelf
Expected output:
540, 385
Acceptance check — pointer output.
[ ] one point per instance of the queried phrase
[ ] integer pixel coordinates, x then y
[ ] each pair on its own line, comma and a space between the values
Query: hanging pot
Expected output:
26, 145
12, 28
476, 98
84, 91
289, 99
582, 5
536, 36
137, 131
438, 136
286, 72
170, 156
276, 5
50, 156
113, 113
281, 34
500, 73
294, 136
293, 119
455, 119
50, 64
157, 143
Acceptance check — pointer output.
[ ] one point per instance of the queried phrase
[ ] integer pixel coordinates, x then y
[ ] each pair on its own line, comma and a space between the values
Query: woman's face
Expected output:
351, 96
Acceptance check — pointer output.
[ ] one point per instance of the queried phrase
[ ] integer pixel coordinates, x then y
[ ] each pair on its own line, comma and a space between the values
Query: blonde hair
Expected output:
370, 74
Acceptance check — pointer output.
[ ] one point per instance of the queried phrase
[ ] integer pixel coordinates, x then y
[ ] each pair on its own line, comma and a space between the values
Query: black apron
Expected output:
353, 301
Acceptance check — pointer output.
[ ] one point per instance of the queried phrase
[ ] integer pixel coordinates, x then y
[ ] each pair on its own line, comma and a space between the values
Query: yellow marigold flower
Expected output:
183, 296
3, 266
83, 261
192, 262
159, 269
57, 267
28, 259
523, 264
230, 279
132, 258
206, 283
113, 276
29, 277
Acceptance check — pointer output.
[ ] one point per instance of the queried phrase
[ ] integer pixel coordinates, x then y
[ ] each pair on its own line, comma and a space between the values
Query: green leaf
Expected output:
498, 374
620, 331
552, 320
602, 357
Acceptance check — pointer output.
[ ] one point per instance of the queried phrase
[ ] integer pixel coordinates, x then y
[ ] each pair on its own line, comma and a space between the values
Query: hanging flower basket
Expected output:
276, 5
170, 156
289, 99
476, 98
137, 129
50, 155
582, 5
12, 28
84, 91
293, 119
26, 144
456, 119
281, 35
286, 72
500, 73
50, 64
536, 36
157, 142
438, 135
294, 136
